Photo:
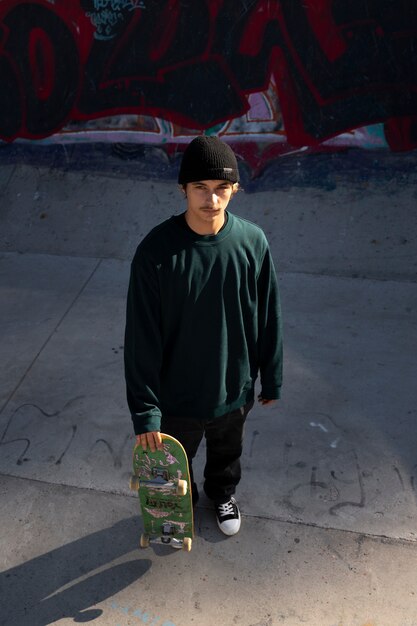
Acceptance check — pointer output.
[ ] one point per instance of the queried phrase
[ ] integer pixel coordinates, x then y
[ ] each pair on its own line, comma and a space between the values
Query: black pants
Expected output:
224, 439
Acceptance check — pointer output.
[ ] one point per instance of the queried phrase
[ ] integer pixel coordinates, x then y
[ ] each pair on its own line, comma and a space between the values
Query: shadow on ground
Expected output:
65, 583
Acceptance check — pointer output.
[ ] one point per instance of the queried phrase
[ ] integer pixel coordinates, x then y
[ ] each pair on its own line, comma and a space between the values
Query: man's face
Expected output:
207, 201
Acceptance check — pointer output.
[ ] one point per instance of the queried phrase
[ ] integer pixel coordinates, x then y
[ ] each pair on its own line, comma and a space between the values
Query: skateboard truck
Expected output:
167, 537
160, 473
167, 533
162, 479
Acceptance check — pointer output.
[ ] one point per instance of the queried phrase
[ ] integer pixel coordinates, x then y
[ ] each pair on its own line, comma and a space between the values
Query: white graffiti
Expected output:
108, 14
118, 5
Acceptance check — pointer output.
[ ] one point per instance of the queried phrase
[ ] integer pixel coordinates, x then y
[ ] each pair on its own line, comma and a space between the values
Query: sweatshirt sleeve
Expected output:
143, 346
269, 330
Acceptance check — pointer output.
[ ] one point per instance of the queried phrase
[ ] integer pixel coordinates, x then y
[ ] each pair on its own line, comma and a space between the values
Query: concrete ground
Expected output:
329, 490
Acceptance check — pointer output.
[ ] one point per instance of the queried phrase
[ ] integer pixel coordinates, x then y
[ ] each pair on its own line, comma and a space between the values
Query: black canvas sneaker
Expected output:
228, 517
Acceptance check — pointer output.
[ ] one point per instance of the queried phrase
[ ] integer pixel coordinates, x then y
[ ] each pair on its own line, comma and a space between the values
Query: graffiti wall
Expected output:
275, 76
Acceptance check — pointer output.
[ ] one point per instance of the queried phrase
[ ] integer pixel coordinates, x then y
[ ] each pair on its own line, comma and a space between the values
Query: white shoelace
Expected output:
226, 509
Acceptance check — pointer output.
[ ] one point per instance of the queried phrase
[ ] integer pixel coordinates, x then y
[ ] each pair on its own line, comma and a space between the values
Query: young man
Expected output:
203, 319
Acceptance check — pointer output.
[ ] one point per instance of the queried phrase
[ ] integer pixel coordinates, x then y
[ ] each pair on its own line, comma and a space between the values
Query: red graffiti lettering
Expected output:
336, 65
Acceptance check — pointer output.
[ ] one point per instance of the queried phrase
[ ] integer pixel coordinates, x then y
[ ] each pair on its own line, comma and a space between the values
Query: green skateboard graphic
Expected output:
162, 479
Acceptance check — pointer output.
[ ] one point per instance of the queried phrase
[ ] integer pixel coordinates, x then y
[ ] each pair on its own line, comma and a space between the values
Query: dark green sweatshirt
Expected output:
203, 318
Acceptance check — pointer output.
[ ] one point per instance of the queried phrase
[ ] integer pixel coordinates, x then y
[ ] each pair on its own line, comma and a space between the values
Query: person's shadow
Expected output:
65, 583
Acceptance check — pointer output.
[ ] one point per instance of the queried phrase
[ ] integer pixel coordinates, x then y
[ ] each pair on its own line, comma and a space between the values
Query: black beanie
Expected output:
208, 158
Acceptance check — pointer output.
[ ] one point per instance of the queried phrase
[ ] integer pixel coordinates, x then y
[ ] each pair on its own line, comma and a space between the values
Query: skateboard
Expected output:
162, 480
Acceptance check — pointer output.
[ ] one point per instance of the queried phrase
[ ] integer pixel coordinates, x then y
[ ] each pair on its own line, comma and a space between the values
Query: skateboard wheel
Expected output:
134, 483
144, 541
187, 543
182, 487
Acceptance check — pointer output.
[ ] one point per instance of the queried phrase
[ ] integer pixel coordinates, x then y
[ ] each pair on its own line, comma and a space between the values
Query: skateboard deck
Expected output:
162, 479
